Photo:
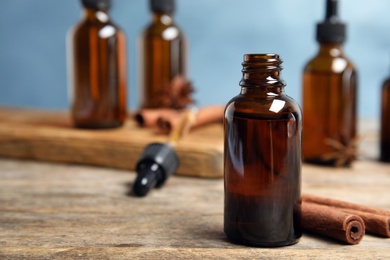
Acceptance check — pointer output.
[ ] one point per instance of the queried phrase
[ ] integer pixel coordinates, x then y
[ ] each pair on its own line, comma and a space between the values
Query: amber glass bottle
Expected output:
329, 98
262, 158
385, 123
97, 68
163, 55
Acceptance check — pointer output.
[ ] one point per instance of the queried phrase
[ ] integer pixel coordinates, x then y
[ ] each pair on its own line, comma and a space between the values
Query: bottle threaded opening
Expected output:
262, 62
262, 57
262, 69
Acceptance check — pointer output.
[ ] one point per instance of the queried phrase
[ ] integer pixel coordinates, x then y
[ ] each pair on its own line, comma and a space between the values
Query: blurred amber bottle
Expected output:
329, 97
163, 56
262, 158
385, 122
97, 68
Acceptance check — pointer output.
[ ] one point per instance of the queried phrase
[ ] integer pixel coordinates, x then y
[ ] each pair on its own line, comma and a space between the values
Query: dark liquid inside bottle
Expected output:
163, 57
329, 122
97, 52
262, 179
385, 123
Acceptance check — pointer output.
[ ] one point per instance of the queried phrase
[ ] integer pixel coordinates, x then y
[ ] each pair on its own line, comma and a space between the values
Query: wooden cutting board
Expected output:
49, 136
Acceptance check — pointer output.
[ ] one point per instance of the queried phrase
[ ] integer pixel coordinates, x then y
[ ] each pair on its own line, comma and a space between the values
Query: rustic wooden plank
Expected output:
49, 136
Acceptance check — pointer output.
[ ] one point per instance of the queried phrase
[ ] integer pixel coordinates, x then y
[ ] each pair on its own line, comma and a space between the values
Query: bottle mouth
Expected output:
262, 57
262, 69
262, 61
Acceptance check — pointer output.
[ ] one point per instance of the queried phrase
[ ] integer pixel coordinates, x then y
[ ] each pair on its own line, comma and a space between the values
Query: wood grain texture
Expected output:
56, 211
49, 136
67, 211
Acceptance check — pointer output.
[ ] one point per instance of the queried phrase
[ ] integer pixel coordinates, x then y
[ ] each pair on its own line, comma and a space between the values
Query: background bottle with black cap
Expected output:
163, 55
329, 97
97, 68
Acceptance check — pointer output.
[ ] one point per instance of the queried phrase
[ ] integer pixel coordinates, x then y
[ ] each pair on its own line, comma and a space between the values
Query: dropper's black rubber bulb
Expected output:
157, 163
332, 29
331, 10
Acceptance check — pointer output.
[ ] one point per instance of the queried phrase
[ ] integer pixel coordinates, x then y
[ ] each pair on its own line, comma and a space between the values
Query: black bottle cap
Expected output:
162, 6
157, 163
331, 30
96, 4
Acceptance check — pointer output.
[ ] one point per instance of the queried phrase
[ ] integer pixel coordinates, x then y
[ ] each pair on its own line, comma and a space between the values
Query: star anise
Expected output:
177, 93
343, 154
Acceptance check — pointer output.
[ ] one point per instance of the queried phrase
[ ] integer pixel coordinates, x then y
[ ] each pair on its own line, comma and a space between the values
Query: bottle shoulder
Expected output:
329, 63
98, 21
160, 30
272, 107
103, 29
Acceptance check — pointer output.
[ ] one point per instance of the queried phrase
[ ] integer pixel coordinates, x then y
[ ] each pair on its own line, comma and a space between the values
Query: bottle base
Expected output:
329, 163
237, 238
98, 126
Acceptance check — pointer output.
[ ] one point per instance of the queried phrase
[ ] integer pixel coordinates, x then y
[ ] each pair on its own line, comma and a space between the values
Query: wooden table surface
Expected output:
57, 211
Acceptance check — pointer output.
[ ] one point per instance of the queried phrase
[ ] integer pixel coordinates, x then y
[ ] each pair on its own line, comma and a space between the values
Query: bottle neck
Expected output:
261, 73
331, 49
163, 18
96, 15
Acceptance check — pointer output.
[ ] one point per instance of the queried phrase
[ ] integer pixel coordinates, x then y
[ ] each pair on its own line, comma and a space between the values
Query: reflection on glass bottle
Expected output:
385, 123
97, 68
262, 158
163, 60
329, 98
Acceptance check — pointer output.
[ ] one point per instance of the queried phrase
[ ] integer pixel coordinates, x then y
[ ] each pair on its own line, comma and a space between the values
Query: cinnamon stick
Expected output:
165, 124
333, 223
377, 221
149, 117
205, 115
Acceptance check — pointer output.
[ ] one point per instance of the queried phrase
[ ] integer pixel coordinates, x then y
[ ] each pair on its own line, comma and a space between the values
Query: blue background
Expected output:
33, 50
